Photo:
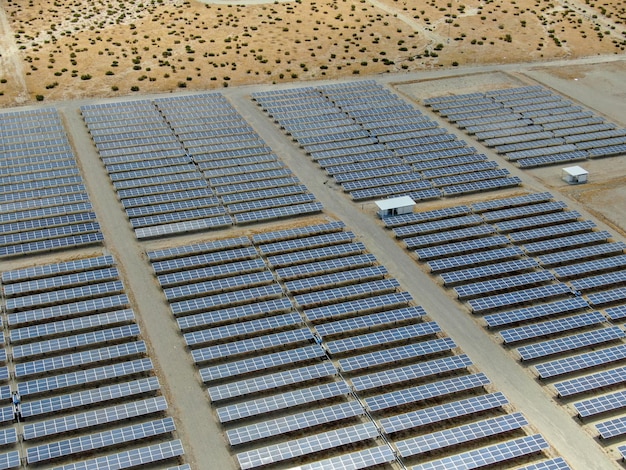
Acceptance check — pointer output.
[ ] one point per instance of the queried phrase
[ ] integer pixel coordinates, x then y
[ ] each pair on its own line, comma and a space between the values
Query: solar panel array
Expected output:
533, 126
44, 205
549, 284
183, 164
375, 145
83, 387
327, 361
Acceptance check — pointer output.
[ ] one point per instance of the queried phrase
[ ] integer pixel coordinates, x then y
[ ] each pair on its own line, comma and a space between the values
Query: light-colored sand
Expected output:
66, 50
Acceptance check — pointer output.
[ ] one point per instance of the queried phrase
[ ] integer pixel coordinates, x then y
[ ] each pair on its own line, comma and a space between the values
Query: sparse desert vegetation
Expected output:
72, 49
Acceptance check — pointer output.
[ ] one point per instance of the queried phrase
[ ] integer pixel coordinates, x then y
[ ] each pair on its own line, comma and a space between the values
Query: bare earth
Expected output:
64, 50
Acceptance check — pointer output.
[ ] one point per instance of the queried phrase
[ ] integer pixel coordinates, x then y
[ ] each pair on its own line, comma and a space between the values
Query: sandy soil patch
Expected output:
91, 49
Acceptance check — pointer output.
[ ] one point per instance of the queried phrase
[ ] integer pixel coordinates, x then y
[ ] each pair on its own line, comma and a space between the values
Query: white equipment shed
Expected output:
395, 206
574, 175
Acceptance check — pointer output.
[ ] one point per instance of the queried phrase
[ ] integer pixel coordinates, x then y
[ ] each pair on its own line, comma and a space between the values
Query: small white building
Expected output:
574, 175
395, 206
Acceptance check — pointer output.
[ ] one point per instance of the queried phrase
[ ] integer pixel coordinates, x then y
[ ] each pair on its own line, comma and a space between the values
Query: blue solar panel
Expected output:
366, 322
460, 434
395, 355
601, 404
271, 381
410, 372
509, 283
264, 363
307, 445
282, 401
423, 392
581, 361
538, 330
591, 382
382, 337
484, 304
103, 439
89, 397
75, 379
93, 418
483, 257
570, 343
295, 422
360, 306
489, 455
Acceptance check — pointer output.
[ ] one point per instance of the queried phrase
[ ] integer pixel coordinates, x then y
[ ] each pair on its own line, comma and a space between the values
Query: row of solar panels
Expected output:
209, 168
82, 381
43, 203
536, 272
376, 145
533, 127
265, 356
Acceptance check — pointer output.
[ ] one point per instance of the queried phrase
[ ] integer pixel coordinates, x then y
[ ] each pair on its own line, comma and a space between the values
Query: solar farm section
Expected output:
547, 283
532, 126
304, 347
376, 145
43, 202
78, 383
186, 164
313, 356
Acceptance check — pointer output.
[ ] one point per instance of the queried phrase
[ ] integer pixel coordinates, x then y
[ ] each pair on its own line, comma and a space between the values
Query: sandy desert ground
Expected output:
58, 49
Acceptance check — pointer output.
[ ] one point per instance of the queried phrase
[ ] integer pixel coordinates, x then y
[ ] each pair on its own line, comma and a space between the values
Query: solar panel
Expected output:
359, 306
395, 355
601, 404
538, 330
549, 232
273, 307
76, 341
483, 257
537, 221
503, 283
263, 363
281, 401
368, 457
608, 297
242, 296
460, 434
258, 343
570, 343
88, 397
423, 392
69, 309
581, 361
590, 267
93, 418
410, 372
487, 271
84, 358
295, 422
612, 428
556, 463
467, 246
484, 304
270, 381
103, 439
492, 454
581, 253
258, 326
591, 382
379, 338
353, 291
366, 322
132, 458
307, 445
